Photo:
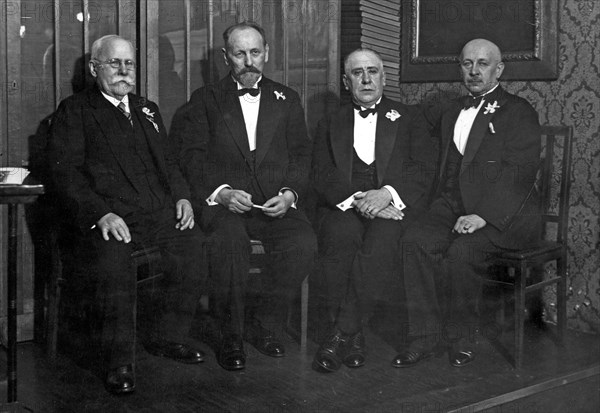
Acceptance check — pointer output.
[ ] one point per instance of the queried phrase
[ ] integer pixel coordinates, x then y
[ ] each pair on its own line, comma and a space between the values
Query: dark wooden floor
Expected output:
551, 380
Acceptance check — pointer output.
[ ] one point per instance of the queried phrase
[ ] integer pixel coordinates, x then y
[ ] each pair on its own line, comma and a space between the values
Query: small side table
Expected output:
13, 195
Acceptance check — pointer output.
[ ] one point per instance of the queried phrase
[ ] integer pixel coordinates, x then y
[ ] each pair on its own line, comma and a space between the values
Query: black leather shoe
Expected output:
411, 358
460, 358
264, 341
231, 353
354, 350
329, 356
176, 351
120, 380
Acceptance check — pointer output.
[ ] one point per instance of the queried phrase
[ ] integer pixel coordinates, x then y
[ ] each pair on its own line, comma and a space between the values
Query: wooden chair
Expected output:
146, 264
553, 244
257, 250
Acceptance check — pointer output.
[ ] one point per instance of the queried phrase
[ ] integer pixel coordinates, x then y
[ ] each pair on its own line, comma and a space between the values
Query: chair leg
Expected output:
53, 305
561, 298
52, 320
304, 315
520, 277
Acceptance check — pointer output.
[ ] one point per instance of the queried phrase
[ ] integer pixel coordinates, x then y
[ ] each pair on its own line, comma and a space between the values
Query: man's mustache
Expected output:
127, 82
251, 69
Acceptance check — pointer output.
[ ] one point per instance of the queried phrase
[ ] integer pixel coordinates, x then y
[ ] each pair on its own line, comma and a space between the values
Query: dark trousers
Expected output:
359, 260
105, 270
290, 245
442, 273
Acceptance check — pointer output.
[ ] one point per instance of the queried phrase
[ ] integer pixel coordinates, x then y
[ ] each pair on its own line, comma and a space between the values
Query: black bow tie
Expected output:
471, 102
365, 112
251, 91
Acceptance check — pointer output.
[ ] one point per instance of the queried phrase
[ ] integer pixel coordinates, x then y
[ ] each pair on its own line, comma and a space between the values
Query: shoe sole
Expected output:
354, 366
179, 360
121, 392
322, 368
270, 355
234, 368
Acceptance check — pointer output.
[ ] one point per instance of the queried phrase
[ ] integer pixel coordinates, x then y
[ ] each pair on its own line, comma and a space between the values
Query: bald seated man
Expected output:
484, 203
123, 190
374, 169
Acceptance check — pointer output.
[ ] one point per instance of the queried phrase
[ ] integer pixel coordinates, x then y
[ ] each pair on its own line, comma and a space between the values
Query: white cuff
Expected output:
211, 199
347, 203
396, 200
285, 188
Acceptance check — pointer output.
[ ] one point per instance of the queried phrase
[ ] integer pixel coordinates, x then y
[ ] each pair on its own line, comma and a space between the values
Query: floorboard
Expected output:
551, 380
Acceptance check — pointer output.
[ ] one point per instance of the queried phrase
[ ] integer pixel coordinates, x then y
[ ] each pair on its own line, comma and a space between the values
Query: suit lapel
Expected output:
268, 119
136, 106
342, 131
480, 126
385, 138
115, 131
233, 116
447, 132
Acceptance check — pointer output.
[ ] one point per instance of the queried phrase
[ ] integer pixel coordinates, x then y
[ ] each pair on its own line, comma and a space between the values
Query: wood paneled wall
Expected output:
45, 46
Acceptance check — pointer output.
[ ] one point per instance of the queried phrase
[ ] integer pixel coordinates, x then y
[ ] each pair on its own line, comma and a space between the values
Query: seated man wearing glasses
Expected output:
111, 163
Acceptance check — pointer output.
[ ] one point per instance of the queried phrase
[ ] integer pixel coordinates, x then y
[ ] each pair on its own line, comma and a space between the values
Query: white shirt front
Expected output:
464, 123
364, 136
250, 107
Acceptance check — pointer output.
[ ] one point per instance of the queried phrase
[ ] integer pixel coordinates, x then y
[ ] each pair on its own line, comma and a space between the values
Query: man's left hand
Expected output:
185, 215
468, 224
370, 203
278, 206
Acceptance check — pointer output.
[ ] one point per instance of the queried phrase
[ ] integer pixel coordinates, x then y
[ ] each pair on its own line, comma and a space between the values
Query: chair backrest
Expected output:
554, 182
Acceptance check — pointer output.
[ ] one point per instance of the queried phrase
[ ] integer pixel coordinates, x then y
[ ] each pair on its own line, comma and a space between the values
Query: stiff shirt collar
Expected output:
372, 106
116, 102
486, 93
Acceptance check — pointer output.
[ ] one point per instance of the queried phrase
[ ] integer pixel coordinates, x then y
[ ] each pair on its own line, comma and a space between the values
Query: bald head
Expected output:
481, 66
482, 44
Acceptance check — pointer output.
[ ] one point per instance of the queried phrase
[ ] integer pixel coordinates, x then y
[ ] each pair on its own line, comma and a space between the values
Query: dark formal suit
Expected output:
494, 180
348, 243
101, 163
215, 151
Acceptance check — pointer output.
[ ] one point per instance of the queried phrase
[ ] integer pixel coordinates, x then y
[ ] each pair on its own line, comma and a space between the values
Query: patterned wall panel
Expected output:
573, 99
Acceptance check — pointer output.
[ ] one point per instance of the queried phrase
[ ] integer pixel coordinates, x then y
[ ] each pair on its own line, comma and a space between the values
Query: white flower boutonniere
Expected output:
150, 118
279, 95
491, 108
491, 127
392, 115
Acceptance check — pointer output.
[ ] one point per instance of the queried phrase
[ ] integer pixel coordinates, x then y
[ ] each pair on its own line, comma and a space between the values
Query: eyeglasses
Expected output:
116, 63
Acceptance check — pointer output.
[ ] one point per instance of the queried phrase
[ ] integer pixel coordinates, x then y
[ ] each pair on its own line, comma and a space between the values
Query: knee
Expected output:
341, 228
112, 252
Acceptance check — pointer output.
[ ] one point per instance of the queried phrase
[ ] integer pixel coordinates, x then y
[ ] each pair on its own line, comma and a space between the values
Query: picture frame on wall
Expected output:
434, 32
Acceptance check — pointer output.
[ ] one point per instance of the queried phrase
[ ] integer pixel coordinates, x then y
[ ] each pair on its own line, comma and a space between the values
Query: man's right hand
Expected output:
114, 224
235, 200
